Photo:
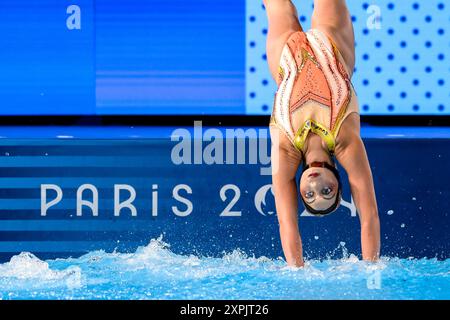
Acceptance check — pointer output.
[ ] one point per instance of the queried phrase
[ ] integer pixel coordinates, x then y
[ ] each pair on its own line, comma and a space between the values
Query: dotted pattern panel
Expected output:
402, 56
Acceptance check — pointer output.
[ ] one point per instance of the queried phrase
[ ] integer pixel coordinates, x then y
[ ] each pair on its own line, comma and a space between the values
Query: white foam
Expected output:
156, 272
27, 266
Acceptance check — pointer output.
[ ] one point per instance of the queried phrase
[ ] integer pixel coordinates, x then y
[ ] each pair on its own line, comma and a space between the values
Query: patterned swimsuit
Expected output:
314, 84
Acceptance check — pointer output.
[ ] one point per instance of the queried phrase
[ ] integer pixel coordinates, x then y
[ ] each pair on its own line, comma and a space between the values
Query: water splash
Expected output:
155, 272
27, 266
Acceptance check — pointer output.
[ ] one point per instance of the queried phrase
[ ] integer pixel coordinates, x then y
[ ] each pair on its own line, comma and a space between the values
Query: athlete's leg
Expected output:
333, 18
283, 21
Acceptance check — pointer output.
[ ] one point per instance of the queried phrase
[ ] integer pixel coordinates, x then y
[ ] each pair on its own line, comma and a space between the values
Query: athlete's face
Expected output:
319, 188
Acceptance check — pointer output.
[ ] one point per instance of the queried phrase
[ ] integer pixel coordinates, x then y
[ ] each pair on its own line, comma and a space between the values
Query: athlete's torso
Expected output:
315, 94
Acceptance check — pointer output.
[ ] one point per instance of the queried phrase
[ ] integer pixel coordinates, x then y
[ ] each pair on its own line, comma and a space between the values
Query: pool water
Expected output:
154, 272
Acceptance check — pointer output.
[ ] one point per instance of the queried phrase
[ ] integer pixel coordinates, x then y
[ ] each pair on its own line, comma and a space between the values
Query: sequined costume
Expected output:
314, 84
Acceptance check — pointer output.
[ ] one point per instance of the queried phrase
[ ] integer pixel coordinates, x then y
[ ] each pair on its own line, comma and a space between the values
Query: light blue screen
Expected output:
402, 56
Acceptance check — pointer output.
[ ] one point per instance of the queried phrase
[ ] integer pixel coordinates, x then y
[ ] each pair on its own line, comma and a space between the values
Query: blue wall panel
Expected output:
411, 192
170, 57
46, 57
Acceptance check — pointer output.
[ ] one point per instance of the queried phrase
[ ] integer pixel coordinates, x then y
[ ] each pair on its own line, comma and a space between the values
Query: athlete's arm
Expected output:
353, 157
285, 162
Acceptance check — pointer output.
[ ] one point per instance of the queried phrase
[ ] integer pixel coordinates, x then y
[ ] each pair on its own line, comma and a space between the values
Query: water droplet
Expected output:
402, 225
414, 198
316, 237
390, 212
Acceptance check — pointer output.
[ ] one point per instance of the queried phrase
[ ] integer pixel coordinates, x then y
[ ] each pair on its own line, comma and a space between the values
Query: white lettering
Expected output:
44, 205
73, 22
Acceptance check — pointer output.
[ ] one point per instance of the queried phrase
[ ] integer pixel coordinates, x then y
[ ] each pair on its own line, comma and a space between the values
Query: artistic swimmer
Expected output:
315, 122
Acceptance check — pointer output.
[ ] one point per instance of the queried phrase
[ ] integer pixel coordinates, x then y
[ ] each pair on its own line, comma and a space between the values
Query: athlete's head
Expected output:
320, 188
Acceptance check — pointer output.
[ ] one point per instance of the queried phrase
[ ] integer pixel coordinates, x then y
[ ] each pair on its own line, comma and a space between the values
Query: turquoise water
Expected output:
154, 272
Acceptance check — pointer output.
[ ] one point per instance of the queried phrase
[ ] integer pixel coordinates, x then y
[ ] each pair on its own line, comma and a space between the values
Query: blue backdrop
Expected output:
202, 207
203, 57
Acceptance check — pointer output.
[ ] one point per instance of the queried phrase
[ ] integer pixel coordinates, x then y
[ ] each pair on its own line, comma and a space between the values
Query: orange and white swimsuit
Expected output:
315, 85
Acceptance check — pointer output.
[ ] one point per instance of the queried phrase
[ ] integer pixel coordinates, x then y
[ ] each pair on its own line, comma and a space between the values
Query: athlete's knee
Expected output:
275, 1
331, 13
271, 4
